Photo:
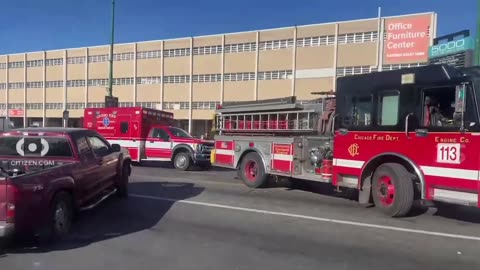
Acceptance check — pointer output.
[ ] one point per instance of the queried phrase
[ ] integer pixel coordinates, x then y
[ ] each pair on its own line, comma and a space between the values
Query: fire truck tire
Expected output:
392, 189
252, 171
182, 161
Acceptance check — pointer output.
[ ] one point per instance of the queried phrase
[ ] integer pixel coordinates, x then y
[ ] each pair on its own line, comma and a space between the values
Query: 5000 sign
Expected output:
451, 47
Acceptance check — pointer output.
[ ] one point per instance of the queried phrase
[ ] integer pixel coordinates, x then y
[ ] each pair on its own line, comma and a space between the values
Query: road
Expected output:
209, 220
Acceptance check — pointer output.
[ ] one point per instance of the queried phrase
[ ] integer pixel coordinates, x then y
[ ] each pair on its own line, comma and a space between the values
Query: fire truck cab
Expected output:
149, 135
395, 136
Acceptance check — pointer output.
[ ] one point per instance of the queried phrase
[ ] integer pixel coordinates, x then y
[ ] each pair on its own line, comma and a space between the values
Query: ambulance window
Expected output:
388, 103
124, 127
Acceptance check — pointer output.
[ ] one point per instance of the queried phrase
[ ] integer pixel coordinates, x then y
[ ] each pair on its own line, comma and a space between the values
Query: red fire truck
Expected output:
149, 135
395, 136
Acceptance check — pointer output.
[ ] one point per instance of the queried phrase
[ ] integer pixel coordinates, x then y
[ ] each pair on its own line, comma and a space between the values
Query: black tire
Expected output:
122, 181
252, 171
182, 161
60, 218
393, 189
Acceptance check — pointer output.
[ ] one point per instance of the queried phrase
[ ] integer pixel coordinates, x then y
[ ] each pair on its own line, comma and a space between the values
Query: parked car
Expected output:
48, 174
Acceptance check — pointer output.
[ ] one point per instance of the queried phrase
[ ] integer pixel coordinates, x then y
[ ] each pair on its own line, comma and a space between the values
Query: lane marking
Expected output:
336, 221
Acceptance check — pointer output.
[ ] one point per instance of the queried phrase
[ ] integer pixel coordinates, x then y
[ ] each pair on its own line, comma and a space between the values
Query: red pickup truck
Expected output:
48, 174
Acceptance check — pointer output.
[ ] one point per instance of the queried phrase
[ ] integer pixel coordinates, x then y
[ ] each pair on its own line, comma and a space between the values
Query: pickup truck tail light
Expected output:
12, 198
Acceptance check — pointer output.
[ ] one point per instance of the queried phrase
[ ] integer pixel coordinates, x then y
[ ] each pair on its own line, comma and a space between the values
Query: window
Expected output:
388, 103
439, 108
54, 62
99, 146
124, 127
178, 132
359, 112
160, 134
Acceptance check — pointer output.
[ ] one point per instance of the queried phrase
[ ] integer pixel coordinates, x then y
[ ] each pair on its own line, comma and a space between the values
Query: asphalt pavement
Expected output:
210, 220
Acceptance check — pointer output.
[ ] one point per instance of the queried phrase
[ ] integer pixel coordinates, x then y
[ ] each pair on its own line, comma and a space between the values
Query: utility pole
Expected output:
110, 78
477, 38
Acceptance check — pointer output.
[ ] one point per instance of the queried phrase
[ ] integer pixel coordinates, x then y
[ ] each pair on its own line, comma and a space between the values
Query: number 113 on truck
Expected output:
396, 137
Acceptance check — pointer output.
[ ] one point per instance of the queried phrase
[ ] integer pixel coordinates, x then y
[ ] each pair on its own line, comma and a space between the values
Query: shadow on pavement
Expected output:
116, 217
458, 212
169, 165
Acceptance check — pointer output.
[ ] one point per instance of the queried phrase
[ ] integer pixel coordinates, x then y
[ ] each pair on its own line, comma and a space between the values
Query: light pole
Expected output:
110, 77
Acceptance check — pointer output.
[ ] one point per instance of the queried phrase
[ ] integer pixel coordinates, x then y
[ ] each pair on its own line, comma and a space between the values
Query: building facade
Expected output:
190, 76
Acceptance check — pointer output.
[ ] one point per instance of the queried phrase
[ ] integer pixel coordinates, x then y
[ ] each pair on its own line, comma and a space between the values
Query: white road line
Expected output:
337, 221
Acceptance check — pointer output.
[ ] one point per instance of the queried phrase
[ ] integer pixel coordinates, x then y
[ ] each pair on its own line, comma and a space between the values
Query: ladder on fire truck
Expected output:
283, 115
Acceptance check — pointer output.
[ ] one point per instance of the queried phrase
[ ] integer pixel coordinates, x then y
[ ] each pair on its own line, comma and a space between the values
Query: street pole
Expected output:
477, 38
110, 78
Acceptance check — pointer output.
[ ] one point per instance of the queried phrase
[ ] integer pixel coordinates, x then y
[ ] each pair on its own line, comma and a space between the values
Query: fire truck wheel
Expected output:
392, 189
252, 171
182, 161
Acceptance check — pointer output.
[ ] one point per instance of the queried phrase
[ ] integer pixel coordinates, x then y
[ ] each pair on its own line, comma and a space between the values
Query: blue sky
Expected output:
34, 25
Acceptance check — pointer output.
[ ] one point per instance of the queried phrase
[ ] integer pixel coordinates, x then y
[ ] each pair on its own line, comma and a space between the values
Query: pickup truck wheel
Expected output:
60, 218
392, 189
252, 171
182, 161
122, 182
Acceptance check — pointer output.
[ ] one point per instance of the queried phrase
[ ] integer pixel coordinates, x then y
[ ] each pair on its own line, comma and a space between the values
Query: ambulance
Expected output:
149, 135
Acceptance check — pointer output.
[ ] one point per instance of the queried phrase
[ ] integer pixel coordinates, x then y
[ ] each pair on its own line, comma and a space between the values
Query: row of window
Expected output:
198, 105
174, 79
346, 71
360, 37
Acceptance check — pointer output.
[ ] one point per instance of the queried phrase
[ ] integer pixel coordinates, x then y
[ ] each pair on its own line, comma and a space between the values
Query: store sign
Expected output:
451, 47
407, 39
459, 60
15, 112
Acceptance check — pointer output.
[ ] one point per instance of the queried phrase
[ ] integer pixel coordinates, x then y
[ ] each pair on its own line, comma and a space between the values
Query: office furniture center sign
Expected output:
407, 39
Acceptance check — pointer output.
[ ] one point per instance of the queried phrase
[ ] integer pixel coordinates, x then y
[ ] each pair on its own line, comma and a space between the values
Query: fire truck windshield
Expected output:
178, 132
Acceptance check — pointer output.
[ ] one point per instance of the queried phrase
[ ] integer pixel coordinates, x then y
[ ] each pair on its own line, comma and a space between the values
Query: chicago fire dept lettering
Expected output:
376, 137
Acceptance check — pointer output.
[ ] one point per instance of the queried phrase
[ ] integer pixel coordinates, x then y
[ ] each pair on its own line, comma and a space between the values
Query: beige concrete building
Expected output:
190, 76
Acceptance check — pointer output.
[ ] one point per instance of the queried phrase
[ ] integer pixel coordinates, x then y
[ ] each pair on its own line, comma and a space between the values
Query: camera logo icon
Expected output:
36, 147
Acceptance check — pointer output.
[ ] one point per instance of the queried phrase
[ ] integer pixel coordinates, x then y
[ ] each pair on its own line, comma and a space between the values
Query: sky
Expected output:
36, 25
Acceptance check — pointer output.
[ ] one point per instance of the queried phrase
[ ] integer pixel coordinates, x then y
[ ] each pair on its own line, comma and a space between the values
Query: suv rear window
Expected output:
35, 147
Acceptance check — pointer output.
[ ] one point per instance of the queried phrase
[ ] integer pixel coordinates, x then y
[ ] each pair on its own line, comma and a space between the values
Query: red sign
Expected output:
15, 112
407, 39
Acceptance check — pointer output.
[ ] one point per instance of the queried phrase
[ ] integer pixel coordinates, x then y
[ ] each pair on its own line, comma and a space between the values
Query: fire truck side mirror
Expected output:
460, 93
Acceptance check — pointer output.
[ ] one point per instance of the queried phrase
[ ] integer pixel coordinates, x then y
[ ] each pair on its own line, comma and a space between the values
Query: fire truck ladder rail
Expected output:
281, 121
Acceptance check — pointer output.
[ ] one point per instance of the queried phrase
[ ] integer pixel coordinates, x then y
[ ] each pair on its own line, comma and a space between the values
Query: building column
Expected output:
257, 55
222, 82
134, 74
380, 40
44, 90
335, 58
7, 89
86, 78
190, 96
65, 85
25, 90
162, 64
294, 60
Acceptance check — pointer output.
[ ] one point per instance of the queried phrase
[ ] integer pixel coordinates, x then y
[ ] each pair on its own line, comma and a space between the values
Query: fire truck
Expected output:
149, 135
395, 136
